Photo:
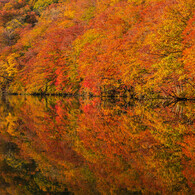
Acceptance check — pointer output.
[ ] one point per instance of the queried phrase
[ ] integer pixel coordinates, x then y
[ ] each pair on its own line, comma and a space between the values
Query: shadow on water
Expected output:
55, 145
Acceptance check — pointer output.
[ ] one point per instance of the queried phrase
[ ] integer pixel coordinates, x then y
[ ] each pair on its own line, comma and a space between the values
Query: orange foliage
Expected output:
99, 146
106, 48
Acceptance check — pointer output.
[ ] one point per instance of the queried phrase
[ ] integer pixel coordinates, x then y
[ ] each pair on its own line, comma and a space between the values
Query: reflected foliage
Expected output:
59, 145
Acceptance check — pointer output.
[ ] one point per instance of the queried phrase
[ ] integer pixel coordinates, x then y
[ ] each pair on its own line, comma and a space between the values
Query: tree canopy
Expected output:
108, 47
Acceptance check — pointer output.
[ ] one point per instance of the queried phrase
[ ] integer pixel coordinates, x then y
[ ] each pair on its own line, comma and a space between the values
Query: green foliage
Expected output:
40, 5
89, 13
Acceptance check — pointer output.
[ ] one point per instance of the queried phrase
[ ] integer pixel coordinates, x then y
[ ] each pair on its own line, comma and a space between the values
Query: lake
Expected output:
55, 145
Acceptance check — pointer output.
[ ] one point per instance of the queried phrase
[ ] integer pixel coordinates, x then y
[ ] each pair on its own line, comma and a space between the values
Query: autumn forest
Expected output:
97, 97
129, 48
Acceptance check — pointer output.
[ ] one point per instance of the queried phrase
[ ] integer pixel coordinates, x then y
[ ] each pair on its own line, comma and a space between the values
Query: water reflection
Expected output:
67, 146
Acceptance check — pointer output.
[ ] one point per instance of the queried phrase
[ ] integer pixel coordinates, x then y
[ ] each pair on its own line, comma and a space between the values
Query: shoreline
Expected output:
176, 99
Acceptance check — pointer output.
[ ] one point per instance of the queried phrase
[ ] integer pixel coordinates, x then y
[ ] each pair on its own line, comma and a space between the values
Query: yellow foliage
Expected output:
11, 124
11, 68
69, 13
88, 37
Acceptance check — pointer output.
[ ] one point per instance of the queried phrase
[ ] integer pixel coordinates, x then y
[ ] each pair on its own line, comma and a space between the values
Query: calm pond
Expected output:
58, 145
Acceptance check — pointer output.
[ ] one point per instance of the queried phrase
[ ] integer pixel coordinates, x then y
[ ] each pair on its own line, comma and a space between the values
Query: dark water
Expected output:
68, 146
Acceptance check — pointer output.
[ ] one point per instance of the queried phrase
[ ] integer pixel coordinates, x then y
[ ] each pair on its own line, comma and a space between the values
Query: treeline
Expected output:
131, 48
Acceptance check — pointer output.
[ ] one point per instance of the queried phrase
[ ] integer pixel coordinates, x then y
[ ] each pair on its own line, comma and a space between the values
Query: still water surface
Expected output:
67, 146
